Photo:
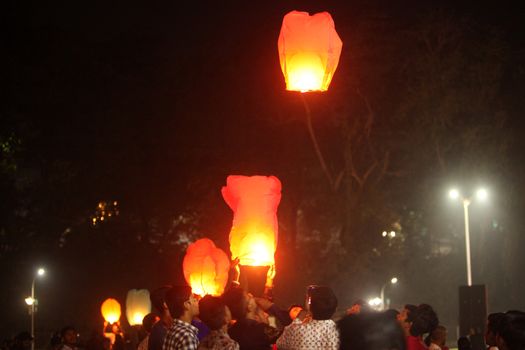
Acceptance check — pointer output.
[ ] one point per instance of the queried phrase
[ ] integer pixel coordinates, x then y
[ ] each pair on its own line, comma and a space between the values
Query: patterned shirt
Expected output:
181, 336
315, 334
218, 340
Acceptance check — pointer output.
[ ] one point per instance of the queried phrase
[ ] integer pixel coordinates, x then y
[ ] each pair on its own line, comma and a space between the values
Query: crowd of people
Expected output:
238, 320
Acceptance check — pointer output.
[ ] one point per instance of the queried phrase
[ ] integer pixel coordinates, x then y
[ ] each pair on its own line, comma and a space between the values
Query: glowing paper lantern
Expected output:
254, 201
138, 305
206, 268
110, 310
309, 50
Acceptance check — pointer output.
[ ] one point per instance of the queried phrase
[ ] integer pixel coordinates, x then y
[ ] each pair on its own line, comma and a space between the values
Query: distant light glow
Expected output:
385, 233
41, 272
29, 301
394, 280
482, 194
454, 194
375, 302
392, 234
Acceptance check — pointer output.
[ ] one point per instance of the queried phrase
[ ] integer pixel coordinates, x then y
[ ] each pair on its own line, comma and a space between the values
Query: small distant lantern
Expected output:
138, 305
206, 268
309, 50
110, 310
253, 236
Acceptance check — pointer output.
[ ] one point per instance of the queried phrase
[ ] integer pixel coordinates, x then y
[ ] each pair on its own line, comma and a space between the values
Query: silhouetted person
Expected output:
464, 344
22, 341
147, 324
512, 331
493, 329
370, 331
419, 321
217, 316
159, 329
69, 339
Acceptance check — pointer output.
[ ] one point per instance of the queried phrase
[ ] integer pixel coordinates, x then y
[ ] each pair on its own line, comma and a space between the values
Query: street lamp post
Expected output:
481, 194
32, 303
393, 280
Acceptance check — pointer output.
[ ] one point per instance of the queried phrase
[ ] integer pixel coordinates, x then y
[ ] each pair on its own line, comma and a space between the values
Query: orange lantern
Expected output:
253, 236
138, 305
206, 268
110, 310
309, 50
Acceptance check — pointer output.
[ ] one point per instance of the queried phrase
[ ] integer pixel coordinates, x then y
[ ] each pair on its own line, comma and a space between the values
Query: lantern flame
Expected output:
110, 310
206, 268
309, 50
253, 236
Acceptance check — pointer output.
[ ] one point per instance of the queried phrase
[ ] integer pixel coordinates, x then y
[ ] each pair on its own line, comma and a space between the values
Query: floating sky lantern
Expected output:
309, 50
253, 236
206, 268
138, 305
110, 310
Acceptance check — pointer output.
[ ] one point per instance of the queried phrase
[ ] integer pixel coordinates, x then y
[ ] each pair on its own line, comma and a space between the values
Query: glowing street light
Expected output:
375, 303
393, 280
481, 195
32, 302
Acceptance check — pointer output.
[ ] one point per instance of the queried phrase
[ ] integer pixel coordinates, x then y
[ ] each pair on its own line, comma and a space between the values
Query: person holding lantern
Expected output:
319, 333
251, 330
183, 307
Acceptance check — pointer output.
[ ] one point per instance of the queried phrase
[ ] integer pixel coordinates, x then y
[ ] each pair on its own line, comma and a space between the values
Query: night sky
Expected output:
154, 105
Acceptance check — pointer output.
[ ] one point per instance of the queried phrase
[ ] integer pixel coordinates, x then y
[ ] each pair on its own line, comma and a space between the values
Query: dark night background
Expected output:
154, 105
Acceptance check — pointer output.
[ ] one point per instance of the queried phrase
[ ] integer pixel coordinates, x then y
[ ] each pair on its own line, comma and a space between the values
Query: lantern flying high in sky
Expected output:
206, 268
138, 305
254, 201
309, 50
110, 310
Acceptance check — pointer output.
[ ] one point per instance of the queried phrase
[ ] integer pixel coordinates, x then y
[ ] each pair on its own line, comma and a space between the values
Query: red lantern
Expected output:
309, 50
253, 236
206, 268
110, 310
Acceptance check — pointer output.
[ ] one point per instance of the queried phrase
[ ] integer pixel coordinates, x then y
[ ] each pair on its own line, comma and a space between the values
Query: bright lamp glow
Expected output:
454, 194
385, 233
29, 301
41, 272
394, 280
482, 194
374, 302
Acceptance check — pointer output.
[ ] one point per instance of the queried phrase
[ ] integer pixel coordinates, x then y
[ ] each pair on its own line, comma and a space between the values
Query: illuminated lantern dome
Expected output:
138, 305
110, 310
254, 201
206, 268
309, 50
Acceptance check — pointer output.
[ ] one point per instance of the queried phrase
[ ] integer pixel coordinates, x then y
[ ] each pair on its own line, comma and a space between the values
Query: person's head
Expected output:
370, 331
405, 318
392, 313
322, 302
182, 303
424, 320
464, 343
239, 302
214, 312
68, 335
148, 321
493, 327
512, 331
158, 299
439, 336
